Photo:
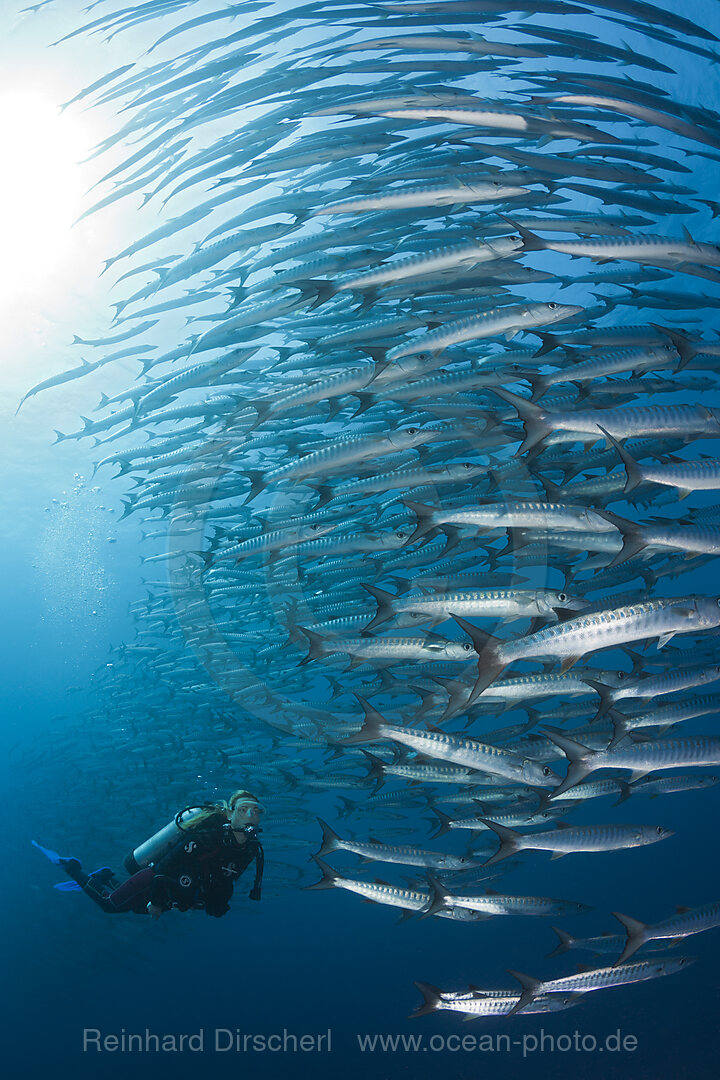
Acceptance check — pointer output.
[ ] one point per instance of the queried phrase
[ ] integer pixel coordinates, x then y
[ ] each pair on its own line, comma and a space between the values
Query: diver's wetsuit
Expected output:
198, 872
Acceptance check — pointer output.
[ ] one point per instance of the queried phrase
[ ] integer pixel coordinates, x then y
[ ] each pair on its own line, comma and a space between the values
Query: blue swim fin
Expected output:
68, 886
53, 856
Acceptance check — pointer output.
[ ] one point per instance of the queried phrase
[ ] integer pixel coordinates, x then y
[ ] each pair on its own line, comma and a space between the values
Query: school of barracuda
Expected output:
403, 435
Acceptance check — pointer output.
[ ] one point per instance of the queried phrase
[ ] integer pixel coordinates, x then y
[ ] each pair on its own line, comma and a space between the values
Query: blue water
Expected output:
79, 776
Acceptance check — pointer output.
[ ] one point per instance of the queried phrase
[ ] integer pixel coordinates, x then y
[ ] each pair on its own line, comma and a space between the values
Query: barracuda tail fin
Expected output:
530, 989
330, 840
605, 693
316, 645
535, 421
632, 469
384, 602
329, 876
636, 936
444, 823
564, 944
549, 342
490, 666
431, 999
425, 522
371, 728
578, 756
685, 347
510, 841
622, 726
531, 242
438, 897
633, 541
376, 770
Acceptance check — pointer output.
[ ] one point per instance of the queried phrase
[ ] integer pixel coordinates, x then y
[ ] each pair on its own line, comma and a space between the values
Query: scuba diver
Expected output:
193, 862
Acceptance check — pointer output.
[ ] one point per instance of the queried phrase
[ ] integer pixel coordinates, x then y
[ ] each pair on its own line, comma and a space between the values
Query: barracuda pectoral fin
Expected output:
569, 662
557, 855
663, 639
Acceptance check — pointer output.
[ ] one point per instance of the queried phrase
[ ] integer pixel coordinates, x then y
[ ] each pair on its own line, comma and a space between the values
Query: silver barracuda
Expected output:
486, 324
571, 640
404, 856
640, 758
684, 923
451, 748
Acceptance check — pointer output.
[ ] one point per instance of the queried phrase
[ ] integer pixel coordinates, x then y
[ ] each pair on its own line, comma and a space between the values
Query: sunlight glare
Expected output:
41, 191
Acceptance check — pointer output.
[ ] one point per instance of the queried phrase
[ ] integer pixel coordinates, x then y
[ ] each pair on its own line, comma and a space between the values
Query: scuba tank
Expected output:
162, 841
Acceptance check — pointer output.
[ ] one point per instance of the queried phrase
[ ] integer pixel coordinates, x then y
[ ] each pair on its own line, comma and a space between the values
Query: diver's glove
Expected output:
154, 910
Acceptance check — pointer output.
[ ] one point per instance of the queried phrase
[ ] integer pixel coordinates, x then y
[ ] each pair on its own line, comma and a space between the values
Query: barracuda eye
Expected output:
659, 830
400, 535
552, 306
546, 770
466, 465
467, 647
412, 430
562, 597
621, 674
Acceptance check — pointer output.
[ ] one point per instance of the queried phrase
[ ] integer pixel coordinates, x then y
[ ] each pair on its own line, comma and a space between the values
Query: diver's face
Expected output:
245, 813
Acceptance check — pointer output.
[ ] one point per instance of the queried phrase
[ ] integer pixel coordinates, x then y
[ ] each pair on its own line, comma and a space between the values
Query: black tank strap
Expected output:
256, 890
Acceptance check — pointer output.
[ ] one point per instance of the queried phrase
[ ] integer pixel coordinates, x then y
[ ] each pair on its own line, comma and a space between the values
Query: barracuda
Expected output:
686, 922
498, 603
577, 637
598, 979
467, 752
640, 758
404, 856
410, 900
497, 322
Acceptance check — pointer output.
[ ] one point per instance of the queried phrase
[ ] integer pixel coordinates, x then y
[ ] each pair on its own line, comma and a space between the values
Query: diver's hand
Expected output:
154, 910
